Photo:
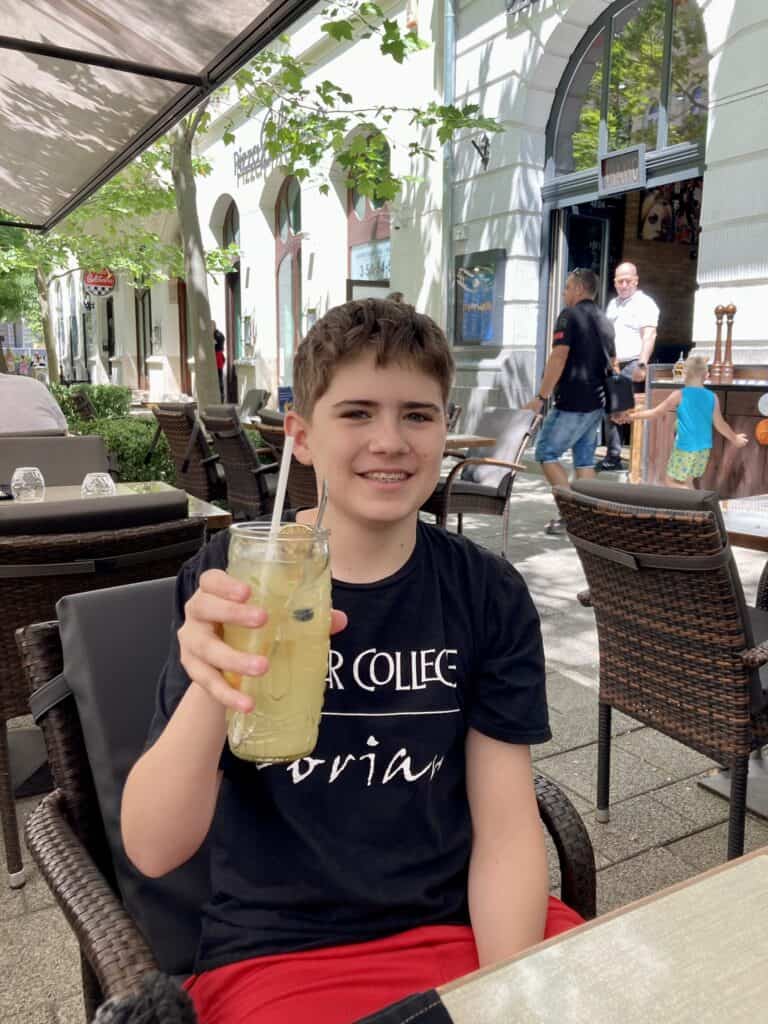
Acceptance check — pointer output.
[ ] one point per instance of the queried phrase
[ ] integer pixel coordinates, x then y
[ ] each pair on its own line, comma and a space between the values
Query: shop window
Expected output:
288, 276
688, 92
654, 55
368, 237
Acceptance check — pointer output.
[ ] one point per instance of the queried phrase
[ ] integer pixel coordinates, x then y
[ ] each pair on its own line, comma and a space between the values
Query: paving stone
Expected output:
70, 1011
643, 875
39, 962
690, 800
577, 769
708, 848
636, 825
37, 1015
656, 748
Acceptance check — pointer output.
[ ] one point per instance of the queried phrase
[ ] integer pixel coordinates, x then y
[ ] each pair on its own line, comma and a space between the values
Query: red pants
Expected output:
341, 984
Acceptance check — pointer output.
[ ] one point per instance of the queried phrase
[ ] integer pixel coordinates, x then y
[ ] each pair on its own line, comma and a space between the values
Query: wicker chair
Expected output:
301, 490
66, 833
452, 415
482, 483
35, 571
679, 648
250, 484
197, 467
254, 401
83, 405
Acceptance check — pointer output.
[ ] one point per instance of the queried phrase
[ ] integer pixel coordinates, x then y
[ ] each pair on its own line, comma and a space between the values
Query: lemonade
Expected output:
290, 578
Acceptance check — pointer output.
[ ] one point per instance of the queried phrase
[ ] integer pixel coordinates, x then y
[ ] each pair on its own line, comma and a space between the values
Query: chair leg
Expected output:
603, 814
459, 522
738, 808
16, 873
505, 529
92, 994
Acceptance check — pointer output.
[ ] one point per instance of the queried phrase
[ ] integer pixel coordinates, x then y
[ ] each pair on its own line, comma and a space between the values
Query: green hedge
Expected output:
128, 440
109, 401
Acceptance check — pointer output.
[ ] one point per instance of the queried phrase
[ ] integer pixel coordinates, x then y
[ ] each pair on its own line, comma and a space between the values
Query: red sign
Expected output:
99, 278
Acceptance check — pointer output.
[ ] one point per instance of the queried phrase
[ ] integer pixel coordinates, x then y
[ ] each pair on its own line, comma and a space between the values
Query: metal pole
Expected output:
449, 95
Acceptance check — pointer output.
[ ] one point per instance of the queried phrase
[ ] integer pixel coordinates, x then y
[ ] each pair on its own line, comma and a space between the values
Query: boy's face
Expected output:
377, 436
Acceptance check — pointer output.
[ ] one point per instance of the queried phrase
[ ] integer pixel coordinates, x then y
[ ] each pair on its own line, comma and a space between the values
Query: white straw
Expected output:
282, 483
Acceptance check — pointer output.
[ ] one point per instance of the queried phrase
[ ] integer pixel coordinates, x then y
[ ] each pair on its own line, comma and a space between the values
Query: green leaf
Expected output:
338, 30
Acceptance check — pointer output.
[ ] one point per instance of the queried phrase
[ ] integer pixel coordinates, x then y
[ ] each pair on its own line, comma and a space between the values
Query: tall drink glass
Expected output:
290, 578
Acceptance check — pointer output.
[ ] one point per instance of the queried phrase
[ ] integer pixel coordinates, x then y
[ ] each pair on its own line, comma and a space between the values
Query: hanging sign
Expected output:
621, 171
99, 282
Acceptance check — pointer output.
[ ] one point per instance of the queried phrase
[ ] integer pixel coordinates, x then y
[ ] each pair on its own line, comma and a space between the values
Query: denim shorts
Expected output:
562, 430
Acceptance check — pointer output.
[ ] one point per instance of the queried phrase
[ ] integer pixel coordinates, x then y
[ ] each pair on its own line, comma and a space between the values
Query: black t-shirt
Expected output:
371, 834
588, 333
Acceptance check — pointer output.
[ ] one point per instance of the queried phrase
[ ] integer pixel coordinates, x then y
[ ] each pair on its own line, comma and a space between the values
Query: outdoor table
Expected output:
216, 518
693, 952
746, 520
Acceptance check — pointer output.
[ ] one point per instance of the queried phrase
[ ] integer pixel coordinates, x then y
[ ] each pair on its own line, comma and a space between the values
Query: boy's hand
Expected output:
220, 599
740, 440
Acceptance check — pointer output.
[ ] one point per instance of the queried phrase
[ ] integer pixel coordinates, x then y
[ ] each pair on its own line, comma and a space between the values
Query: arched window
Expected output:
368, 231
288, 274
639, 76
234, 327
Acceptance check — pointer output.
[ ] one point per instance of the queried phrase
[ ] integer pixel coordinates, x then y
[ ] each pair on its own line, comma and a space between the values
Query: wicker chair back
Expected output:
672, 622
301, 491
250, 485
35, 571
197, 469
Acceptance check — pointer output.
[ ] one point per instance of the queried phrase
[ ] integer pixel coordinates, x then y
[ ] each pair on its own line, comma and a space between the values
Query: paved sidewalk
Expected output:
664, 827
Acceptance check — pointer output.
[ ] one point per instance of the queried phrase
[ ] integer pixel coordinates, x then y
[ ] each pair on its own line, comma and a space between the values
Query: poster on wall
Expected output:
671, 213
480, 297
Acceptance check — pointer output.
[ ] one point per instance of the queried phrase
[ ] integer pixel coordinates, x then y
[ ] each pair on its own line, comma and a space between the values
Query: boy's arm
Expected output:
740, 440
508, 880
669, 404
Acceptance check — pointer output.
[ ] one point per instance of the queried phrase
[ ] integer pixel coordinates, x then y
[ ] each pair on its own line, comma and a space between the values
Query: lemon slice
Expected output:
296, 530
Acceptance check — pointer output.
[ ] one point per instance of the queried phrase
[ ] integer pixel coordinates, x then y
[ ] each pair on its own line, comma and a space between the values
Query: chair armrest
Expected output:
473, 460
209, 459
755, 657
584, 597
270, 467
578, 885
108, 937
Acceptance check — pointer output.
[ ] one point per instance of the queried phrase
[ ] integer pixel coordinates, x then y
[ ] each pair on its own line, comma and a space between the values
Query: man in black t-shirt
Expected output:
582, 346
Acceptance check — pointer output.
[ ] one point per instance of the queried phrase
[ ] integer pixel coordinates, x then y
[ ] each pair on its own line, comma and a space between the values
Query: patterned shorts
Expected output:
684, 465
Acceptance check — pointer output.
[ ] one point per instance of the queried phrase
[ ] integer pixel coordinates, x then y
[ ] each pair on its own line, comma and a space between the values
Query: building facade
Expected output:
632, 130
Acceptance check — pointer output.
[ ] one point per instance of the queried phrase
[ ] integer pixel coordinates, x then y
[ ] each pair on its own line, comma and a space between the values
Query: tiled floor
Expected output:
663, 829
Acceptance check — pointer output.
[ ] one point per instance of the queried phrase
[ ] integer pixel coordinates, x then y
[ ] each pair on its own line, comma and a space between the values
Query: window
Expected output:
368, 234
288, 276
640, 76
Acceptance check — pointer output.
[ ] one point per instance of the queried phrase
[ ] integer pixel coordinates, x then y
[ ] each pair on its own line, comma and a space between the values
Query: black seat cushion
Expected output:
81, 515
115, 643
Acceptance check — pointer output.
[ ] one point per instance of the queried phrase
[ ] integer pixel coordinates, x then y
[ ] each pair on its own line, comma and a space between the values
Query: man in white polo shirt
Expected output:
27, 406
635, 318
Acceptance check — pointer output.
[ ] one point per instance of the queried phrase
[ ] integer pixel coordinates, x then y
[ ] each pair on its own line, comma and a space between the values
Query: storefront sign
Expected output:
622, 171
99, 282
480, 297
370, 261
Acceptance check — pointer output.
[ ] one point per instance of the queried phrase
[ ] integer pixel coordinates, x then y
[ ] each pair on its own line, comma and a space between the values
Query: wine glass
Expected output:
27, 484
97, 485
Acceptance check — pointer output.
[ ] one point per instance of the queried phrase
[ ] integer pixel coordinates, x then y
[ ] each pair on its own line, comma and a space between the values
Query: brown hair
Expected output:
392, 331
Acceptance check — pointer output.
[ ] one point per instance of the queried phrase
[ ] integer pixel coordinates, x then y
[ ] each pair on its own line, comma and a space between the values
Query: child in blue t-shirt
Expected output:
697, 412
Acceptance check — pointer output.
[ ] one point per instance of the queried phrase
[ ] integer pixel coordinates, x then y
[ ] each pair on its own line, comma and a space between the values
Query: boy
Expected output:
348, 879
697, 412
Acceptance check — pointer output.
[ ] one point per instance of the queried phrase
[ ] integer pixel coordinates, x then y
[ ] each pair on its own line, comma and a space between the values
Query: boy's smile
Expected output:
377, 436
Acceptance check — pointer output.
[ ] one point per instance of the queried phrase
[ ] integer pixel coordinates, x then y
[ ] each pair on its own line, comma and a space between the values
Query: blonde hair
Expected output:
695, 367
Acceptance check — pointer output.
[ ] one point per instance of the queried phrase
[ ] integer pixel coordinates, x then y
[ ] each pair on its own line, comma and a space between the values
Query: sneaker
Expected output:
555, 527
609, 463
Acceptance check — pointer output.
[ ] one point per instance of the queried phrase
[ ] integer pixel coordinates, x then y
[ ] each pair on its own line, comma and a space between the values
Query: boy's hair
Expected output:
695, 366
392, 331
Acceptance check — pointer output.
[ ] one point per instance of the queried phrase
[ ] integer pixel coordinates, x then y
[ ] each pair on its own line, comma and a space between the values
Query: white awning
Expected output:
85, 86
